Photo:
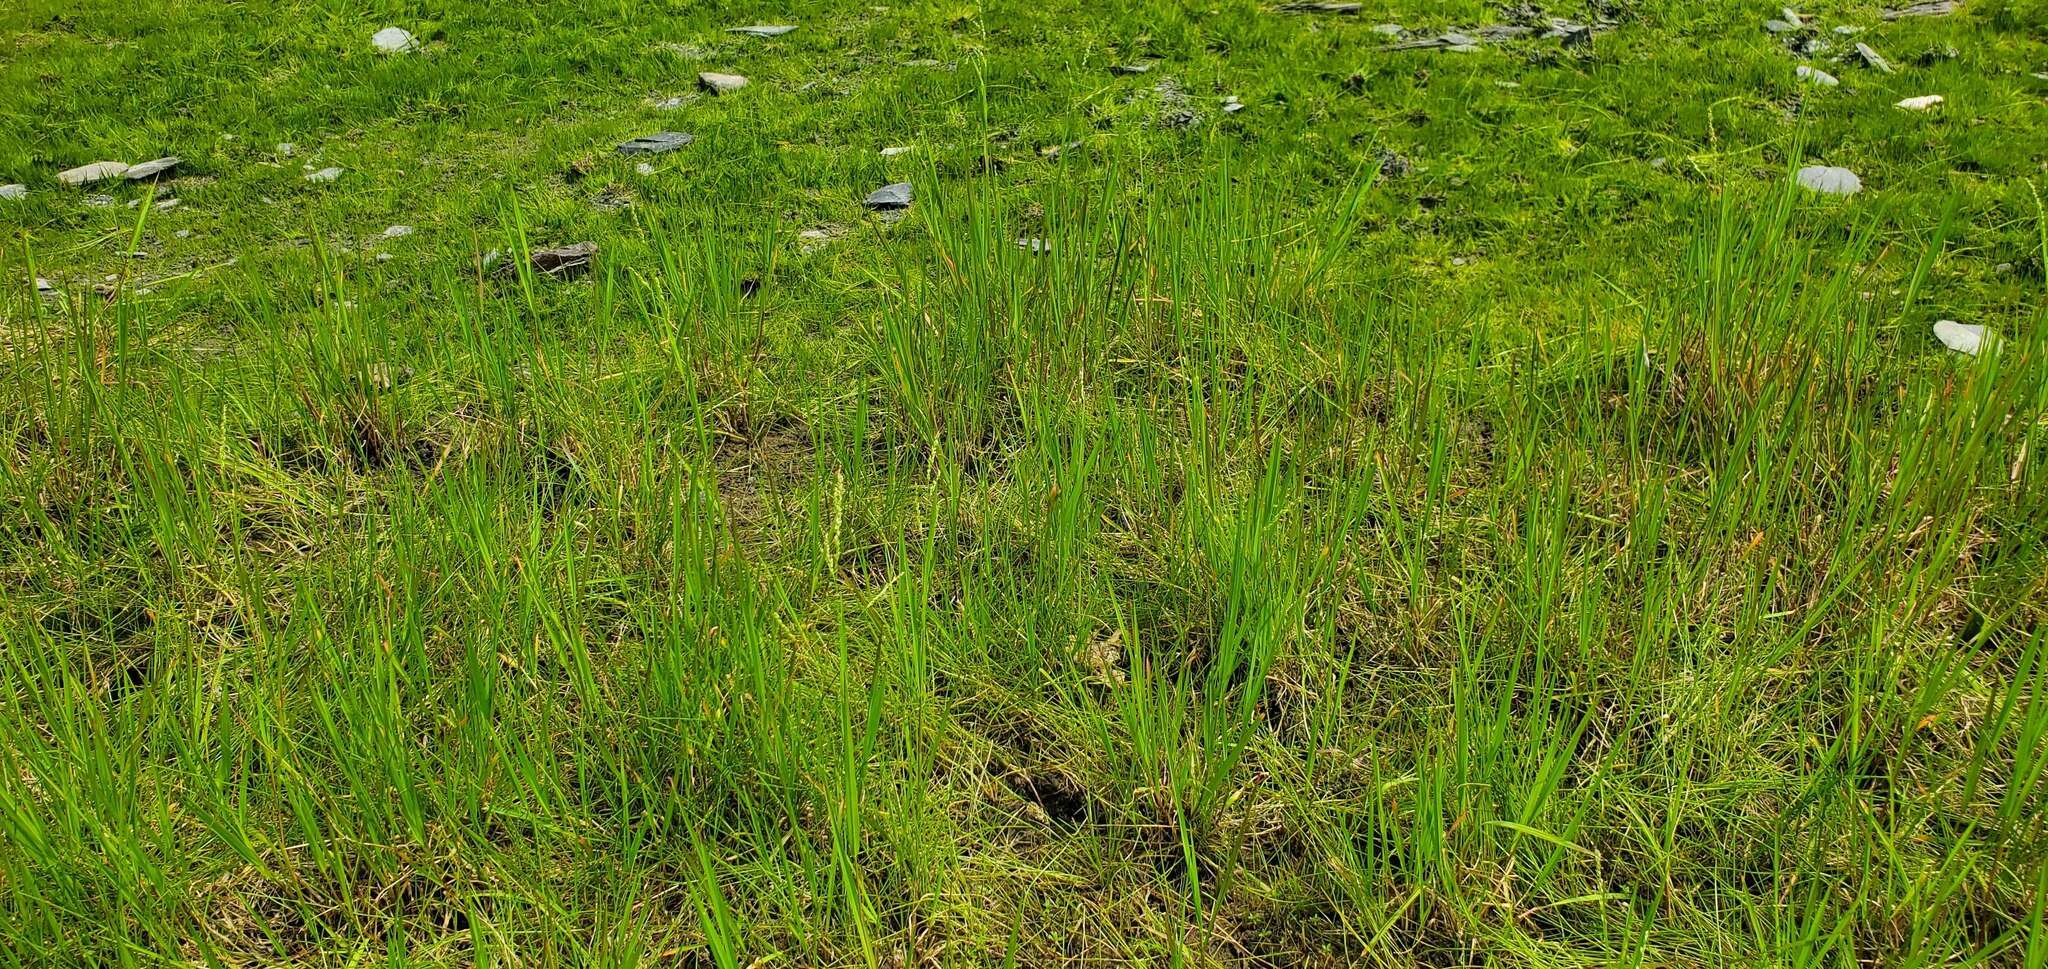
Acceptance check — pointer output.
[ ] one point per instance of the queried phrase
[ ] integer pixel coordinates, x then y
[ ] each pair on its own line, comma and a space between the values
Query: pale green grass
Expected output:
1240, 582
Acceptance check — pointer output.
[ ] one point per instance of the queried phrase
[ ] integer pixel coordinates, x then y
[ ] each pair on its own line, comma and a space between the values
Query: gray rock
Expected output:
1390, 30
167, 204
44, 286
98, 171
1846, 30
762, 30
286, 149
1577, 36
718, 83
1791, 16
100, 201
1780, 26
13, 193
1348, 9
385, 257
1231, 105
1129, 69
1925, 102
1455, 39
1814, 75
894, 150
394, 40
153, 168
889, 197
643, 168
398, 232
324, 175
1829, 180
183, 234
1393, 164
563, 262
1960, 337
1873, 58
656, 143
1934, 8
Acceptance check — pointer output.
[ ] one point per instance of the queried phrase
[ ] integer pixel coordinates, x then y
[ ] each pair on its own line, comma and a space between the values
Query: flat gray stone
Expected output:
1345, 9
1873, 58
1130, 69
1935, 8
1829, 180
565, 261
394, 40
1780, 26
398, 232
889, 197
1925, 102
100, 201
656, 143
718, 83
324, 175
98, 171
1231, 105
894, 150
153, 168
13, 193
762, 30
1390, 30
1814, 75
1960, 337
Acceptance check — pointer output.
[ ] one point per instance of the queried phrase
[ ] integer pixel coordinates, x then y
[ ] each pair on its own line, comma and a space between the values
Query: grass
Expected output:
1543, 557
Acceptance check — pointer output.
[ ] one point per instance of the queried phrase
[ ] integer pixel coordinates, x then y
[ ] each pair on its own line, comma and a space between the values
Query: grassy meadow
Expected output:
1459, 509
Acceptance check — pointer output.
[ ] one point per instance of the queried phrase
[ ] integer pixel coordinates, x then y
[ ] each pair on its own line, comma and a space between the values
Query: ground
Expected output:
1462, 508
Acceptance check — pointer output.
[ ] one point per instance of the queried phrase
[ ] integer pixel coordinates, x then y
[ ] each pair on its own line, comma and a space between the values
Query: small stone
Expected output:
762, 30
1130, 69
718, 83
384, 257
44, 286
1791, 16
1846, 30
1934, 8
921, 62
1873, 58
1829, 180
656, 143
1780, 26
892, 197
1960, 337
1393, 164
13, 193
324, 175
1231, 105
1659, 162
394, 40
1458, 261
95, 172
2005, 267
1345, 9
563, 262
168, 204
1925, 102
100, 201
398, 232
670, 103
286, 149
895, 150
644, 168
1390, 30
151, 169
1814, 75
182, 234
1577, 36
1455, 39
